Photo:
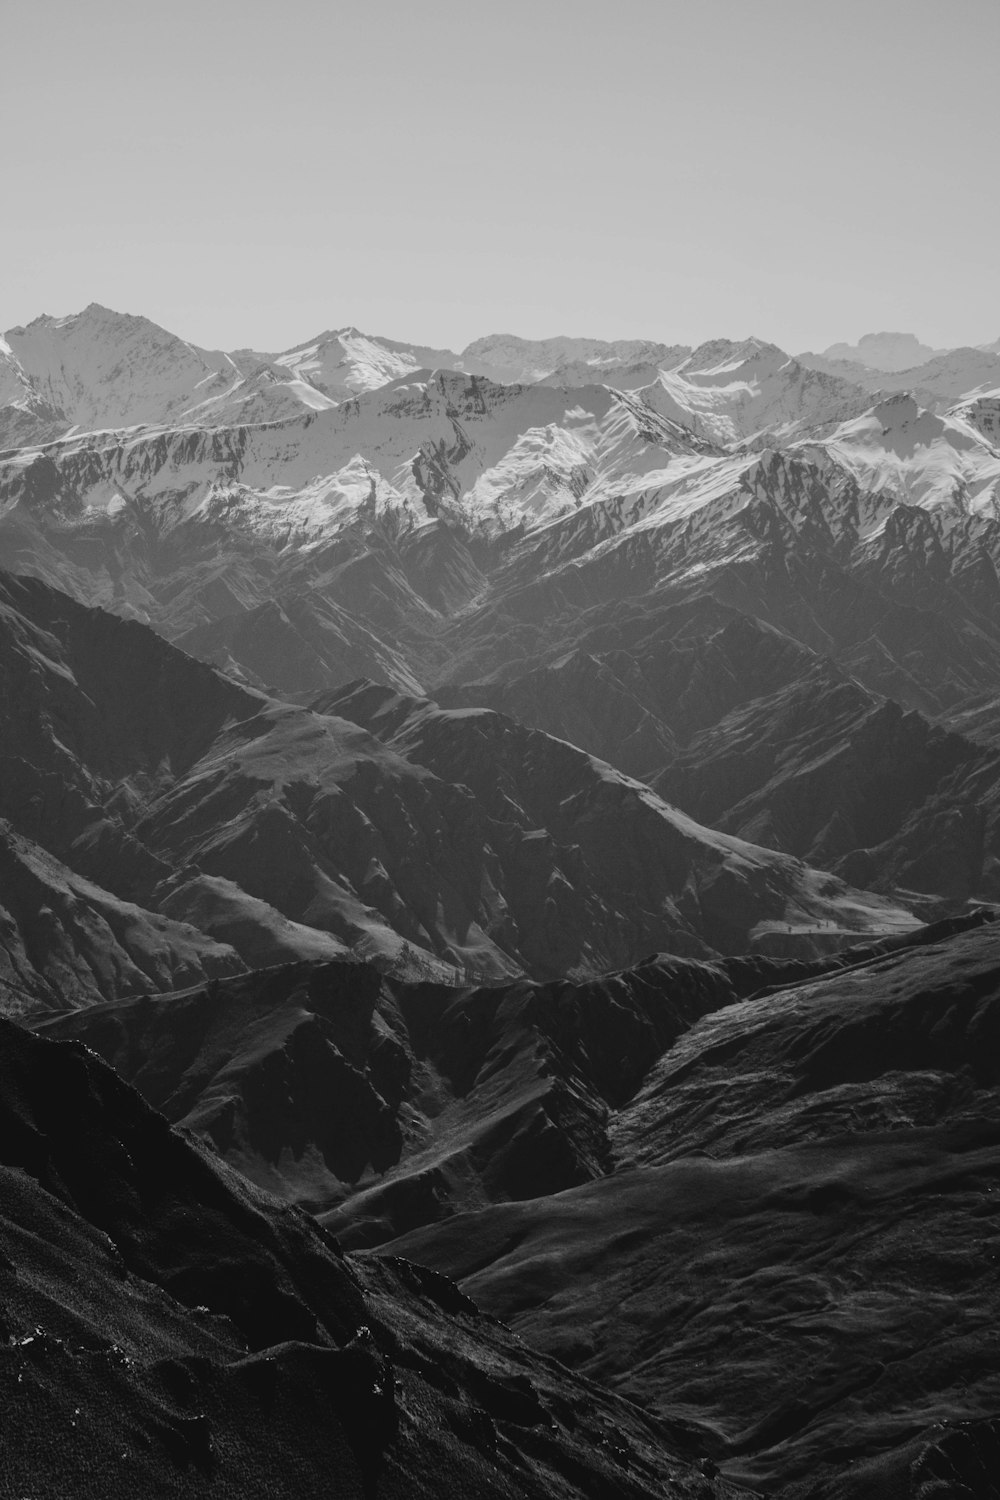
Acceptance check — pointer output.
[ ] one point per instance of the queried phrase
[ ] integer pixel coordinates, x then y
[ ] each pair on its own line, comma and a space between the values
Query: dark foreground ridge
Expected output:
167, 1329
390, 1104
796, 1249
757, 1197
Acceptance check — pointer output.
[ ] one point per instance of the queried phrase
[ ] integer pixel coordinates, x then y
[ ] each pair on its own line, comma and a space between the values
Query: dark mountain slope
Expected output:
96, 711
658, 862
796, 1249
457, 845
758, 736
641, 683
304, 643
878, 795
394, 1104
64, 941
219, 1343
330, 1081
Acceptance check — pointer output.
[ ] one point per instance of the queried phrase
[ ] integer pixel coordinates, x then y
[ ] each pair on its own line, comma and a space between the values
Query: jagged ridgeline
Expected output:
165, 824
485, 808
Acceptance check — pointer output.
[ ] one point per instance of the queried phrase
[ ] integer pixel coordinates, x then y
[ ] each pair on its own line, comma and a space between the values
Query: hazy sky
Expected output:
252, 173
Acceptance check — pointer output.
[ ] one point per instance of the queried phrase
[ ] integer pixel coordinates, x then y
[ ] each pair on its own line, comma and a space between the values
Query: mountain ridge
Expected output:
201, 827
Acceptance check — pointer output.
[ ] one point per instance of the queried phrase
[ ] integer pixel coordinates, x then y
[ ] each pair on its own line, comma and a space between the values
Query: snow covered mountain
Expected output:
447, 528
101, 369
108, 369
730, 393
899, 449
354, 539
346, 362
15, 387
488, 457
25, 416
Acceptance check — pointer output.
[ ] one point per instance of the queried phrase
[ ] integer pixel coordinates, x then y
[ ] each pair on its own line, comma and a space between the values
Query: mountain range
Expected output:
164, 824
102, 369
523, 827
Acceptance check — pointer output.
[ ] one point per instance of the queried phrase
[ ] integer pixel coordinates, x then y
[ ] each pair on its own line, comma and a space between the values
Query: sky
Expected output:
249, 174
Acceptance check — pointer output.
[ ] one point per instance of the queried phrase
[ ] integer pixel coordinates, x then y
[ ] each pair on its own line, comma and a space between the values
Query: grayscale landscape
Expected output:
500, 836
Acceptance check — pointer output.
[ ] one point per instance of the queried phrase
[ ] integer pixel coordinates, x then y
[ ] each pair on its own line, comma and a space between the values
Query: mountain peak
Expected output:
884, 351
730, 353
91, 318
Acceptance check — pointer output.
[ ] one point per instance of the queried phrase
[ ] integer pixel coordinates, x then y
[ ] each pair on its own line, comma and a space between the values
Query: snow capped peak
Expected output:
899, 448
731, 393
99, 369
108, 369
724, 357
344, 362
